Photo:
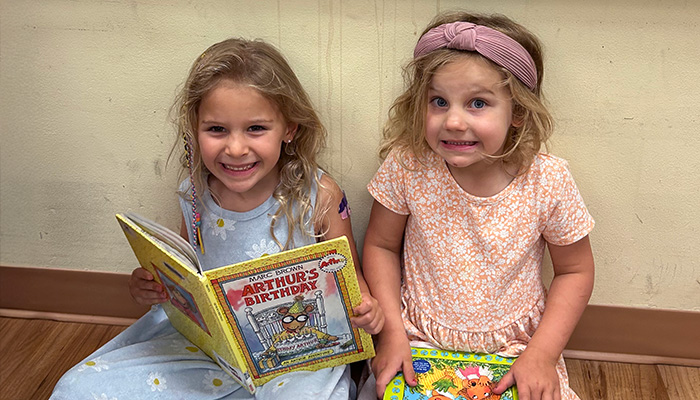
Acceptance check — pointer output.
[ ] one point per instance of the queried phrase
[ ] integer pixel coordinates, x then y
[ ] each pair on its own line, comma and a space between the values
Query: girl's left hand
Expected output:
368, 315
534, 375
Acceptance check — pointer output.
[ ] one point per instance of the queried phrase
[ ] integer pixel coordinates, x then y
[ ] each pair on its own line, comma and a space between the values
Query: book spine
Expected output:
219, 312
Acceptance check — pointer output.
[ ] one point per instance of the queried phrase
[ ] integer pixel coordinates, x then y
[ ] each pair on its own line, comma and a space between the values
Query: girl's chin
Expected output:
460, 162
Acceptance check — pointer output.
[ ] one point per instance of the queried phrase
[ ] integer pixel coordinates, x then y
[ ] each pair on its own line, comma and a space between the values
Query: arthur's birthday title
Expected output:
279, 283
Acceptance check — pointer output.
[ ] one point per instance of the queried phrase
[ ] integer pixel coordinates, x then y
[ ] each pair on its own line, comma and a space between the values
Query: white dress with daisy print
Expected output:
151, 360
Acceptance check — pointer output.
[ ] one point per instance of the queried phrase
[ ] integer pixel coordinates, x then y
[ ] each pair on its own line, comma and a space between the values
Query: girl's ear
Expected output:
291, 131
518, 117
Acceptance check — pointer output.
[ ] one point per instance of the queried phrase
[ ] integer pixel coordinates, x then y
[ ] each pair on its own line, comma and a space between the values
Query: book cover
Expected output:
260, 318
451, 375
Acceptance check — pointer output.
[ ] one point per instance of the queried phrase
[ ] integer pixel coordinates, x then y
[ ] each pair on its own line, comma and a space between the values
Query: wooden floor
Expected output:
35, 353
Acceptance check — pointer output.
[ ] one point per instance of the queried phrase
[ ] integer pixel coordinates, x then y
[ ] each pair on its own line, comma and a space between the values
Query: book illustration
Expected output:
259, 318
448, 375
181, 298
296, 336
294, 313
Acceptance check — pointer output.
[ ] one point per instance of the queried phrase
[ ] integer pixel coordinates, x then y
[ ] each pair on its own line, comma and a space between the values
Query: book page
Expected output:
173, 242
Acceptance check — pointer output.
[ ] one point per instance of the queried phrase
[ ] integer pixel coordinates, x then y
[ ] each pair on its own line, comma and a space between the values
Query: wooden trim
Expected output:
604, 333
63, 317
629, 358
67, 295
608, 332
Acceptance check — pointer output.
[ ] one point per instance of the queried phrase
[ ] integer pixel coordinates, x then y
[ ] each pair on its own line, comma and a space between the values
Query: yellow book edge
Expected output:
443, 375
191, 307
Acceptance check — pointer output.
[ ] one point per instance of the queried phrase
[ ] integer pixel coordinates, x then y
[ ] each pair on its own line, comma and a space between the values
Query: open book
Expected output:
260, 318
444, 375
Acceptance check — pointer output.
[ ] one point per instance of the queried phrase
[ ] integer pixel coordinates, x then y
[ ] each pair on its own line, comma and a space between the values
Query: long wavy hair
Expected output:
405, 128
261, 66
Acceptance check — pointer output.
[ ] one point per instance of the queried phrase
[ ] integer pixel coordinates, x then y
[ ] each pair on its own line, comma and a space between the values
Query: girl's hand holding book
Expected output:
393, 356
144, 289
368, 315
535, 376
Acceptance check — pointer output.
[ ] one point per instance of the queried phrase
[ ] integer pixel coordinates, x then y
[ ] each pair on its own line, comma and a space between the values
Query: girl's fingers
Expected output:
152, 286
148, 297
141, 273
362, 308
383, 378
506, 381
368, 317
408, 373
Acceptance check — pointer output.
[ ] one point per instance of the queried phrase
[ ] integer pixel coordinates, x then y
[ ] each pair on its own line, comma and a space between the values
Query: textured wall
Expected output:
85, 89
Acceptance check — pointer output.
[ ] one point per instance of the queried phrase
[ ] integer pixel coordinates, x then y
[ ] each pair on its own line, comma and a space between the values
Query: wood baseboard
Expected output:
645, 335
604, 333
67, 295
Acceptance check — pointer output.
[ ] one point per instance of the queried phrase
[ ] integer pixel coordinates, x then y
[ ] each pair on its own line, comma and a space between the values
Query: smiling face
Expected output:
468, 115
240, 135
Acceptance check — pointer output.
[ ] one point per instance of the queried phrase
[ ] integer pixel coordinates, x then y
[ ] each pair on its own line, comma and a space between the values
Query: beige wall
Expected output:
85, 89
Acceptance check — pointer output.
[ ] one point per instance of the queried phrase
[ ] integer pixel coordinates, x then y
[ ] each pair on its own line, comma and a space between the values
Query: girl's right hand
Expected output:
144, 289
393, 356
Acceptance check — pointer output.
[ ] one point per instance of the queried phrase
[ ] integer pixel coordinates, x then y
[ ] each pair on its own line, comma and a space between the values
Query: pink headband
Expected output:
490, 43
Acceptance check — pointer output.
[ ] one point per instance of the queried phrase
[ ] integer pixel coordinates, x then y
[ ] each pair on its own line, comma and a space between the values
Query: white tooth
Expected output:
238, 168
460, 143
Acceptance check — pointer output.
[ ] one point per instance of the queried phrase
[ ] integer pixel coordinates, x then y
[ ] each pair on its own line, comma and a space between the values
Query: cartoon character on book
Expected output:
297, 336
294, 321
477, 383
468, 383
181, 298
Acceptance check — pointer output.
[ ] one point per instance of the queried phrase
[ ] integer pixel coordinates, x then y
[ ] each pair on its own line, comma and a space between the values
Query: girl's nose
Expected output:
455, 120
236, 146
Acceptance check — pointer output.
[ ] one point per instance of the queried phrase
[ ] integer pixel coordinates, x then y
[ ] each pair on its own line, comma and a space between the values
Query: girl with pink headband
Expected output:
465, 206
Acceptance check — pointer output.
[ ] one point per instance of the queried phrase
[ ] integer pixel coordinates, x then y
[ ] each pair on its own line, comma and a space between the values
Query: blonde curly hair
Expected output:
405, 128
261, 66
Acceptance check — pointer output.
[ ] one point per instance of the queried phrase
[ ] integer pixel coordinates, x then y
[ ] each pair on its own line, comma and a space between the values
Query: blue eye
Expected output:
439, 102
478, 103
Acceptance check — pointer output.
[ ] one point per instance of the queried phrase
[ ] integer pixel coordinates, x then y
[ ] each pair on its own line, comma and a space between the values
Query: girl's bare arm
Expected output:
383, 272
368, 314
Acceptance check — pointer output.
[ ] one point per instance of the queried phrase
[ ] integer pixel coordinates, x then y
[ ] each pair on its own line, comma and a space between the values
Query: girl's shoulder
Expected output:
409, 161
324, 188
548, 164
329, 189
550, 175
326, 182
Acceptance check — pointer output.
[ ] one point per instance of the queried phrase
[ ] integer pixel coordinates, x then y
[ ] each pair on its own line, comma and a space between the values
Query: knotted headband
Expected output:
490, 43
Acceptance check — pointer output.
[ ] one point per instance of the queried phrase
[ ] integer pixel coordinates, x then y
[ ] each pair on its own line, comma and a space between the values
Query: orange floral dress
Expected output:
472, 265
